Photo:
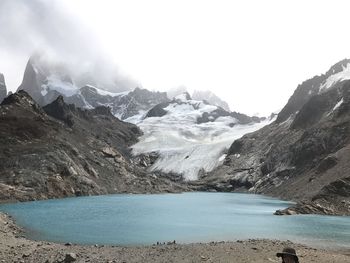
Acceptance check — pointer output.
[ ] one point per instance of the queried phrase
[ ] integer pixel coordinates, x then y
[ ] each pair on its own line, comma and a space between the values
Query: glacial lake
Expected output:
126, 219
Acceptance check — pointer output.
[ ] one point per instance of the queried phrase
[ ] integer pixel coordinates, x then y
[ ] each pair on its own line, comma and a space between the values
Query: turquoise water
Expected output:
189, 217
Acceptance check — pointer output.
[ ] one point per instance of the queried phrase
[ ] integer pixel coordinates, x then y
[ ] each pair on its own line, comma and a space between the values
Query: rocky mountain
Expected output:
303, 155
211, 98
3, 91
188, 137
61, 150
45, 81
314, 86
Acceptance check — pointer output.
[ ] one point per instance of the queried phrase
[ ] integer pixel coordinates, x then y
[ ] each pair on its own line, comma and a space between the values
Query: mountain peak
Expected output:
316, 85
20, 97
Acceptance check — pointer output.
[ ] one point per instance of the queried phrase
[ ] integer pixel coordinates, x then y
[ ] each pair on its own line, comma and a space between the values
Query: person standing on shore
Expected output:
288, 255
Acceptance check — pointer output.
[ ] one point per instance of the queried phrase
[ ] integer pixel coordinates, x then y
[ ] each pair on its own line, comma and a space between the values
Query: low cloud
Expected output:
48, 27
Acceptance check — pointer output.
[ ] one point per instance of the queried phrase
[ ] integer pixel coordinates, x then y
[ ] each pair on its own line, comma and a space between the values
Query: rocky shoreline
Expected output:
14, 247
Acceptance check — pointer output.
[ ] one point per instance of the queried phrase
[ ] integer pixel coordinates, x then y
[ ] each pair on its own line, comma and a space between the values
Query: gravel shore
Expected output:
14, 247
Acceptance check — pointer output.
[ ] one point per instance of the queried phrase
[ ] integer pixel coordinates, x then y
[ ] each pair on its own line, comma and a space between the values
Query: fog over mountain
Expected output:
48, 29
247, 53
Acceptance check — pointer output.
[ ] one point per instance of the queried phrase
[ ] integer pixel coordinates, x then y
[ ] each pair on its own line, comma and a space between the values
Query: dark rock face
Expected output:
305, 157
158, 110
61, 111
68, 151
240, 117
142, 100
3, 91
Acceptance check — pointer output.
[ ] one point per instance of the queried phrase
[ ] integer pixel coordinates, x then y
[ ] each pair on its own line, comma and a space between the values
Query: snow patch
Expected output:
338, 104
44, 90
108, 93
333, 79
222, 157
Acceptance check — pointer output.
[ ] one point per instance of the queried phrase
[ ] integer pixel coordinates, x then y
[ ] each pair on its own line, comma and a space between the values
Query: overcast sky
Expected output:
252, 53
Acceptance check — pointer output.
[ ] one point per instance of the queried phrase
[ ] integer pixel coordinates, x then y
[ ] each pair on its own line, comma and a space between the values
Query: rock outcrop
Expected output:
303, 155
61, 150
3, 91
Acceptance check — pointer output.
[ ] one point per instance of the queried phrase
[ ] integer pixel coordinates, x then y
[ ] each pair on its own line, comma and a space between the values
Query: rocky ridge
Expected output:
302, 156
61, 150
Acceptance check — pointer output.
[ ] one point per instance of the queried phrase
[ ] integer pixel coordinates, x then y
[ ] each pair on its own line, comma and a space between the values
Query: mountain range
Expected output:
59, 139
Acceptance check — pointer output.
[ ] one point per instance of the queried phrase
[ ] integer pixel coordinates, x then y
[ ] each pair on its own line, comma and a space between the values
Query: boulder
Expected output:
70, 257
109, 152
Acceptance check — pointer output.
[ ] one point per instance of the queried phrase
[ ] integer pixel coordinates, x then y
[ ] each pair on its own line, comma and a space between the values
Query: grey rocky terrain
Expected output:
61, 150
125, 105
303, 156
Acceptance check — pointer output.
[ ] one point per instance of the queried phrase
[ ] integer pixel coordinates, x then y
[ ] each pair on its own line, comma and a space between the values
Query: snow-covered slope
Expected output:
211, 98
185, 145
343, 74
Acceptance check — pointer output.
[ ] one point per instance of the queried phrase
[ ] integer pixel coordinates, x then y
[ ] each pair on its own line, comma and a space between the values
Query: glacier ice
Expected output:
184, 146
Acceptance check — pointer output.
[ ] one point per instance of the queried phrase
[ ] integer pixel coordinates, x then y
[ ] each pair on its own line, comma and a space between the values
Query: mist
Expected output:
253, 54
50, 29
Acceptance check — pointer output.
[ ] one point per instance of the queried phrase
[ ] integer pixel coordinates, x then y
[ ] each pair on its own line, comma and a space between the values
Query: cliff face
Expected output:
3, 91
61, 150
302, 156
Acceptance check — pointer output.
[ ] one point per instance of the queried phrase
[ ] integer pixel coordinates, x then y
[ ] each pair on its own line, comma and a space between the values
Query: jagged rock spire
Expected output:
3, 91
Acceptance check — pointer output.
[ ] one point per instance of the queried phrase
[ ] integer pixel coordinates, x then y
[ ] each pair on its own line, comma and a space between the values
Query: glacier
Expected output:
184, 146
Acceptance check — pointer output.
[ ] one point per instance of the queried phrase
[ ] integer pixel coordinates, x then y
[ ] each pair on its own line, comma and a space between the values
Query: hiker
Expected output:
288, 255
